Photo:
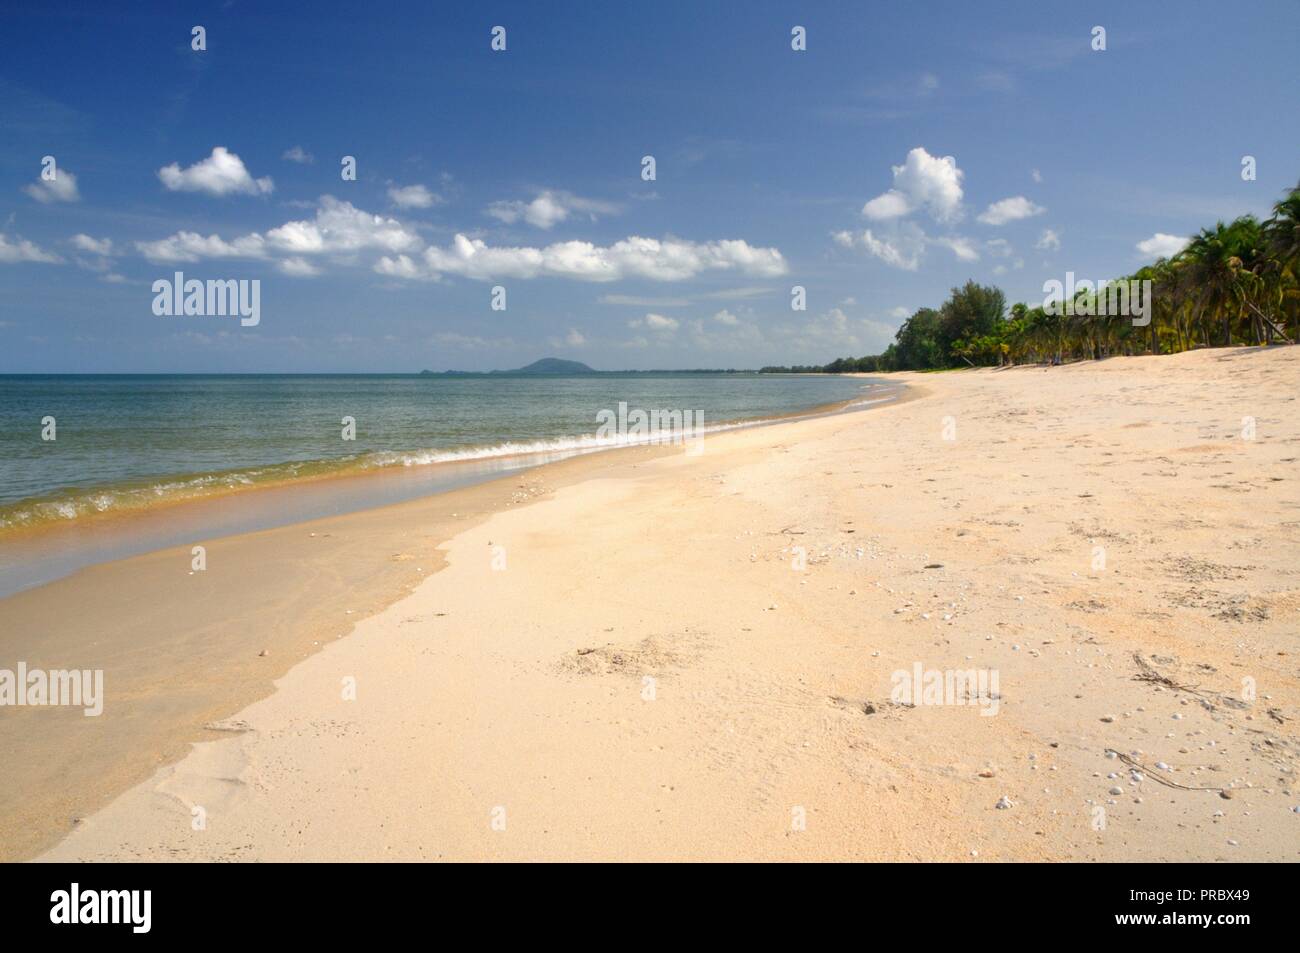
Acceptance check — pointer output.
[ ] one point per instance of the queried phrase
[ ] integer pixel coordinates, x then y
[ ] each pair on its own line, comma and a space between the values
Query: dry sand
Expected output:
650, 677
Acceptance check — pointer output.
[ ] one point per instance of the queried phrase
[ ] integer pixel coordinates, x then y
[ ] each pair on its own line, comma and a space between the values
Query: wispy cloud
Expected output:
549, 208
19, 250
61, 188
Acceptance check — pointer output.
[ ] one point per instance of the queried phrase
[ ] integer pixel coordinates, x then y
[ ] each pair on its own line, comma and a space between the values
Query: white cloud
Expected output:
95, 246
900, 312
1048, 241
1161, 245
1010, 210
922, 181
633, 257
342, 227
299, 268
222, 173
655, 322
902, 250
400, 266
191, 246
338, 228
413, 196
963, 248
904, 247
62, 188
575, 338
999, 247
1036, 175
641, 301
735, 294
22, 250
887, 205
548, 209
298, 154
726, 317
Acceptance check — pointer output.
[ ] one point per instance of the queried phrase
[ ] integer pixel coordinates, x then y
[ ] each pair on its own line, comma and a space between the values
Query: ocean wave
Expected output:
70, 505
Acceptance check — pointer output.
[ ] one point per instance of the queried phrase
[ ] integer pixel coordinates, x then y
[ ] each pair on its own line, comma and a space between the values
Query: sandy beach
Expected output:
650, 655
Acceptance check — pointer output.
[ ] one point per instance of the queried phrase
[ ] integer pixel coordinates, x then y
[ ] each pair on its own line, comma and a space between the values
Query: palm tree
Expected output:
1282, 241
1282, 231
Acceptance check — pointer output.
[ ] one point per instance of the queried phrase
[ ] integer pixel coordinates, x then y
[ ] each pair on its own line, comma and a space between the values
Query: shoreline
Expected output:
278, 589
524, 690
62, 543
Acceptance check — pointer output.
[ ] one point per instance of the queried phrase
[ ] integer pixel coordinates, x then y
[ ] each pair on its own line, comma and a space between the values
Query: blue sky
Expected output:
1021, 153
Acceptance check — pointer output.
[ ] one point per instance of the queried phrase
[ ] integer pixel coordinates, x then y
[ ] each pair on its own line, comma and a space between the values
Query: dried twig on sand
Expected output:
1156, 776
1148, 673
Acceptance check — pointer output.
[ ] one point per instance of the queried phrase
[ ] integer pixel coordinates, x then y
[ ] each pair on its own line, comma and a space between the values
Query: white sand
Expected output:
524, 690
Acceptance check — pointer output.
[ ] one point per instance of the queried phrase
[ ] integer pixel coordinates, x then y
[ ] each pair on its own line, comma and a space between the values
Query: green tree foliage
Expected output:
1235, 283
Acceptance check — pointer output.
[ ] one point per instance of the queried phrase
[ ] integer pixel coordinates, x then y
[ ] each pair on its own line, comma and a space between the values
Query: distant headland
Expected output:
558, 367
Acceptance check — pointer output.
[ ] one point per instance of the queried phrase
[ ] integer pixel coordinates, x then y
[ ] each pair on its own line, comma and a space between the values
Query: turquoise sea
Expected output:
125, 447
130, 442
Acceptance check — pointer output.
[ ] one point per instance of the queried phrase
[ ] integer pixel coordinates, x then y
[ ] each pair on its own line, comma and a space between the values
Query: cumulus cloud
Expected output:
1010, 210
575, 338
222, 173
342, 227
726, 317
1161, 245
400, 266
1048, 241
191, 246
922, 181
94, 246
298, 154
548, 209
1036, 175
338, 228
633, 257
413, 196
891, 204
61, 188
19, 249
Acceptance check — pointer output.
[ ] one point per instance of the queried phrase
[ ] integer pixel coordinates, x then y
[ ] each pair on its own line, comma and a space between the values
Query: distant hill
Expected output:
558, 367
554, 365
547, 365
